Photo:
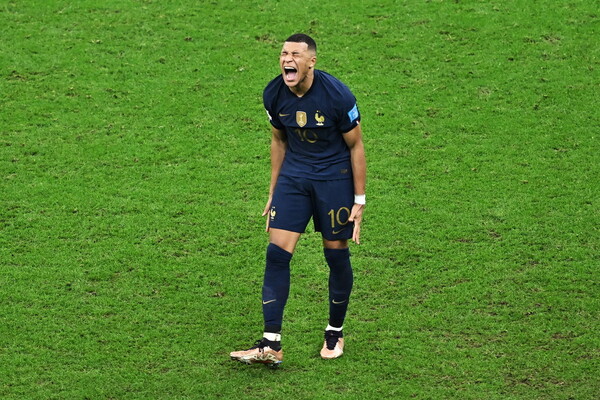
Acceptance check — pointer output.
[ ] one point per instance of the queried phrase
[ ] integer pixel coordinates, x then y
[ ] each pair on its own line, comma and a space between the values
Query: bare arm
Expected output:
358, 160
278, 148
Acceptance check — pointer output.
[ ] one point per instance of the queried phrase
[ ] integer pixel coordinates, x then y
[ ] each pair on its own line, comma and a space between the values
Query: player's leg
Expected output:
290, 212
341, 280
275, 292
276, 283
336, 230
291, 209
284, 239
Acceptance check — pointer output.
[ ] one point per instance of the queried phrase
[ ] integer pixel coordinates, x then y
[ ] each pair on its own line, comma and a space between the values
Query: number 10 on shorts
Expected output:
339, 217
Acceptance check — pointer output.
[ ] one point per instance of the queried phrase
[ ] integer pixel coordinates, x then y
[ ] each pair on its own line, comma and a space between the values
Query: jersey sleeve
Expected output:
269, 97
348, 113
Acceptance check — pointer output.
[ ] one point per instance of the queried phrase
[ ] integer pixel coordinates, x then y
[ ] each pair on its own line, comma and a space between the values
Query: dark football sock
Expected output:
275, 345
276, 287
340, 284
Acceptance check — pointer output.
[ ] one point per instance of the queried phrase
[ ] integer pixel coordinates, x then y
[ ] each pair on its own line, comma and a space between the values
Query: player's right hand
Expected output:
266, 212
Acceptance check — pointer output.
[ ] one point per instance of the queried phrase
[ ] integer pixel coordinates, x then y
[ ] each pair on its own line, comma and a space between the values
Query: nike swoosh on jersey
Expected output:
283, 115
336, 232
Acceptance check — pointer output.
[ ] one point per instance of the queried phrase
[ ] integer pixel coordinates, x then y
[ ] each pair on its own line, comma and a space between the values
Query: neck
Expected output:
303, 86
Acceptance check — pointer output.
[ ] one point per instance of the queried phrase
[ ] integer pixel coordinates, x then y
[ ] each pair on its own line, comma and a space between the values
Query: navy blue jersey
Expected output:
314, 125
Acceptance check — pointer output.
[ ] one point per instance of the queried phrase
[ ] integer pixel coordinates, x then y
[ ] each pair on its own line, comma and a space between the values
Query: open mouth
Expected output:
290, 73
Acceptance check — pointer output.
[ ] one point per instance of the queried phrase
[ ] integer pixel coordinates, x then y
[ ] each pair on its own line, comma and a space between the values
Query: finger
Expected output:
356, 231
267, 209
352, 216
356, 234
267, 212
356, 213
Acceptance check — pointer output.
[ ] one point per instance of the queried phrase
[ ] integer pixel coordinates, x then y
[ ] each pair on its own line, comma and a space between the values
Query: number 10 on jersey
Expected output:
306, 135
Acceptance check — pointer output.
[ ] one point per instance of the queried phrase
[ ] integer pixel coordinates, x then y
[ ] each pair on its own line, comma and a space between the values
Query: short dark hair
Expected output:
302, 38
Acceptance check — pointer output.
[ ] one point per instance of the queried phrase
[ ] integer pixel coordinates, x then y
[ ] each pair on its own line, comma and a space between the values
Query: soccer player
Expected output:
318, 171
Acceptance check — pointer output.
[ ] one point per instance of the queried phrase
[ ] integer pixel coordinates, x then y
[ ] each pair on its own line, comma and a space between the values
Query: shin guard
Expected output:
340, 284
276, 287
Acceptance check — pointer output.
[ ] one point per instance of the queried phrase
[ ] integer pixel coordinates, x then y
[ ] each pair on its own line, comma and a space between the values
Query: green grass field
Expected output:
134, 167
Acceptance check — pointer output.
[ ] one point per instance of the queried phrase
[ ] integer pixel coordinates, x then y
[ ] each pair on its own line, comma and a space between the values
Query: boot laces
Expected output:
259, 344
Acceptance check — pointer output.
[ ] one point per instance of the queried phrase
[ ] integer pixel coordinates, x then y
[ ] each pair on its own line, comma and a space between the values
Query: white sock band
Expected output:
331, 328
273, 337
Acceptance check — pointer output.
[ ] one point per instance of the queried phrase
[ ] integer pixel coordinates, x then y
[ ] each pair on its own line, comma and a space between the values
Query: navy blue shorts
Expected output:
296, 200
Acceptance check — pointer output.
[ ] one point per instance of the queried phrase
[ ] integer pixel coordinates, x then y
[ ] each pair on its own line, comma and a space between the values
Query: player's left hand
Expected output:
356, 217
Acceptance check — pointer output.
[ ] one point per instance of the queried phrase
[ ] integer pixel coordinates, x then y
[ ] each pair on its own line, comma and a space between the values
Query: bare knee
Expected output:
286, 240
335, 244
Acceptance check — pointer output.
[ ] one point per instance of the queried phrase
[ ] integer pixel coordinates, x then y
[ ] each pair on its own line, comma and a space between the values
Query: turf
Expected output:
134, 167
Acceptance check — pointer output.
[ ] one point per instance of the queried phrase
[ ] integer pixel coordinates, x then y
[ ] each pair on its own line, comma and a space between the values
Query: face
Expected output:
297, 63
